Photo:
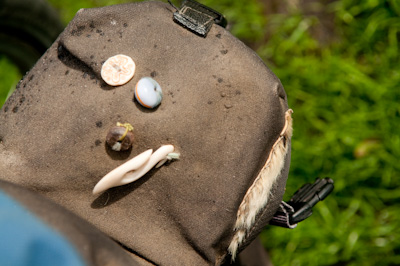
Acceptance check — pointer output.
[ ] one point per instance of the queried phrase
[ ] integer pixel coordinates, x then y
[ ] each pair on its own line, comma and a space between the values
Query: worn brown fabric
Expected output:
223, 109
254, 255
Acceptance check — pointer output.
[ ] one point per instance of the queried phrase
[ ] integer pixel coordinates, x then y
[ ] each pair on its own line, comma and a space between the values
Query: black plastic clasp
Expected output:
198, 18
307, 197
299, 207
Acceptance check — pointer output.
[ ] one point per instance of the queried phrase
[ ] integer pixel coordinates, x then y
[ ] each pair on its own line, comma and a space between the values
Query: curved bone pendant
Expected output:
133, 169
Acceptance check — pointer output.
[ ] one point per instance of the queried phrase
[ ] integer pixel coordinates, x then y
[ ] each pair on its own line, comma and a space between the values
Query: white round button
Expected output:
148, 92
118, 70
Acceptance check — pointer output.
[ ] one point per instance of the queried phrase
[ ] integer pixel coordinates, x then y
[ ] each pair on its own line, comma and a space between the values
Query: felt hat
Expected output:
222, 109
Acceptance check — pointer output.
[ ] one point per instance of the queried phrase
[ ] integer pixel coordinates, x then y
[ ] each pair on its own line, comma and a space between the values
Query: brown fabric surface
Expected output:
223, 109
94, 247
254, 255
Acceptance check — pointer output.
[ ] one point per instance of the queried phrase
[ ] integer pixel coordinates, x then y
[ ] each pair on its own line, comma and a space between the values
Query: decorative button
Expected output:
118, 70
148, 92
120, 138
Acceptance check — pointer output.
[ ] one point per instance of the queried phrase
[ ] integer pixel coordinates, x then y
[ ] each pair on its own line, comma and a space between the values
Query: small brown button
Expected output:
120, 138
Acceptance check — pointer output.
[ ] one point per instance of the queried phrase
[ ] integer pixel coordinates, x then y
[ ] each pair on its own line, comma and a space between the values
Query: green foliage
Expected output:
346, 121
248, 23
68, 8
9, 76
245, 18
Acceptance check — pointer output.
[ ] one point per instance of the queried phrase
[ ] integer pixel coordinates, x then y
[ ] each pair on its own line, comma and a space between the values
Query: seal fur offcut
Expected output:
257, 195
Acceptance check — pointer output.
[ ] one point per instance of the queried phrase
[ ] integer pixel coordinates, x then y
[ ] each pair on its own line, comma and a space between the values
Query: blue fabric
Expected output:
26, 240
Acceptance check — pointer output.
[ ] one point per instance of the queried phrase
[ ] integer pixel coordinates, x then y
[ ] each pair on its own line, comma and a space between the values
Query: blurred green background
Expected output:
339, 63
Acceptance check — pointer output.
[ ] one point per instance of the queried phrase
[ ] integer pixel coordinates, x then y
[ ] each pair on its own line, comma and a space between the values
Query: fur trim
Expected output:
257, 195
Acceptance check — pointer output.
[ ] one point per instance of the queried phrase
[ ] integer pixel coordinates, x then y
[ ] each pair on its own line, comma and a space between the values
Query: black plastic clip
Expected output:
299, 207
198, 18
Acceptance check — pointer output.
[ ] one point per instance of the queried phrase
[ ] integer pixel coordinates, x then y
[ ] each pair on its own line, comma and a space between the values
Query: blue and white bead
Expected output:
148, 92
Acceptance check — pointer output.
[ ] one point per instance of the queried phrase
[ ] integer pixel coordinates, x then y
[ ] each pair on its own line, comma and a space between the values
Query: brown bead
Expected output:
116, 141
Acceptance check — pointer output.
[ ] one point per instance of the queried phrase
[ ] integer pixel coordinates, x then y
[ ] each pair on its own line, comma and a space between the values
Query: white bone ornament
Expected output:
118, 70
135, 168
